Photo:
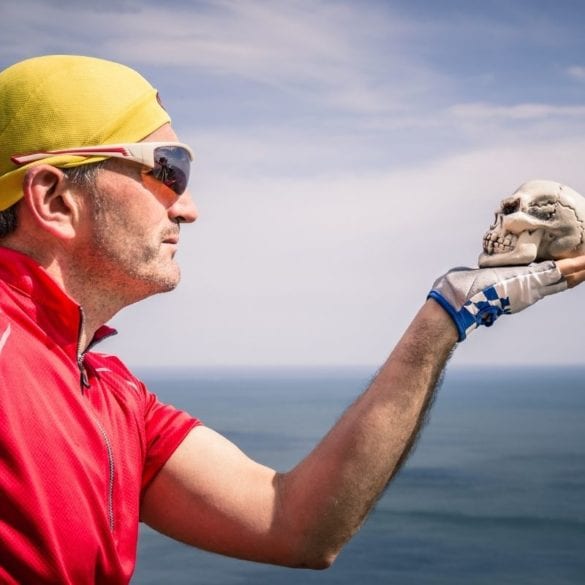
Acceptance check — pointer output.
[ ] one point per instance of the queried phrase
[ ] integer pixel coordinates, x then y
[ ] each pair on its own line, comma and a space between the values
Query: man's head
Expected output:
70, 202
64, 101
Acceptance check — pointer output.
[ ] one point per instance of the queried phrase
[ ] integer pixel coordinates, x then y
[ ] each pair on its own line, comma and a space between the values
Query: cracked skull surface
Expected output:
542, 220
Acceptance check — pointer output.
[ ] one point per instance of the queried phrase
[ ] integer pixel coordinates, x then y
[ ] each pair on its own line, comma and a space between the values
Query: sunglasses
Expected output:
170, 161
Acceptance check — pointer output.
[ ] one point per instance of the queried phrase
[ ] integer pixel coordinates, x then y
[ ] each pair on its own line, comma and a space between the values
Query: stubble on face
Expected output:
126, 242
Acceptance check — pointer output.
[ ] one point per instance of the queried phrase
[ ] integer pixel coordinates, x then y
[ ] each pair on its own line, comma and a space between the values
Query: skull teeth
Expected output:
498, 244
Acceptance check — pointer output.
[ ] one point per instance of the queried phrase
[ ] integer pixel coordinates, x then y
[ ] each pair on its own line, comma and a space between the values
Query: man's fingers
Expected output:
575, 278
573, 269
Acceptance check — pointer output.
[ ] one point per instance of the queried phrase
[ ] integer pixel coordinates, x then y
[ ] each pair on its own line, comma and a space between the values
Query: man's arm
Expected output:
211, 495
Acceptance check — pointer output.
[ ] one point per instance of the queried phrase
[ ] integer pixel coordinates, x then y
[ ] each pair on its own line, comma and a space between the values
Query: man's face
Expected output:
133, 234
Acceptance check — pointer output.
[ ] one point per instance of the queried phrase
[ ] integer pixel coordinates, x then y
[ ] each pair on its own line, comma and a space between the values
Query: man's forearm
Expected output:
326, 497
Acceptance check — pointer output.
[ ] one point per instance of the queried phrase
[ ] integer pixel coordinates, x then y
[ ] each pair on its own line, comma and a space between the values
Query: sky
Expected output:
347, 154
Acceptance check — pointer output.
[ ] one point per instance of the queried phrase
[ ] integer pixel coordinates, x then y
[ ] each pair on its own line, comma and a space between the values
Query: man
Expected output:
93, 193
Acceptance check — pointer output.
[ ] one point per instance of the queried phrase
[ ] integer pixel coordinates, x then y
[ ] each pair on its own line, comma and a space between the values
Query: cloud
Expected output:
316, 51
526, 111
576, 72
330, 269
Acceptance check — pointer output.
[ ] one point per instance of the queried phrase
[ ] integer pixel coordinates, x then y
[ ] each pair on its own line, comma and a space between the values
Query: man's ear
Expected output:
51, 201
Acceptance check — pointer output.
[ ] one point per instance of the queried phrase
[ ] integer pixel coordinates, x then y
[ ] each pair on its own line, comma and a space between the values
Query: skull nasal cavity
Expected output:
511, 207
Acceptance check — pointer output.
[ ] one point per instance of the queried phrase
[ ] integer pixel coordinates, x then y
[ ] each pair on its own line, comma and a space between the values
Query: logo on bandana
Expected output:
160, 101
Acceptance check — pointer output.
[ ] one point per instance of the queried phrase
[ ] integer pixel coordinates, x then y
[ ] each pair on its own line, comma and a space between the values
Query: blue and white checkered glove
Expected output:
475, 297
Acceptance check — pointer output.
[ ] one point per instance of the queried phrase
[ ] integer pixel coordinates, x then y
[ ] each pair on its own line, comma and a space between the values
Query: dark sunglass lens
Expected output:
172, 166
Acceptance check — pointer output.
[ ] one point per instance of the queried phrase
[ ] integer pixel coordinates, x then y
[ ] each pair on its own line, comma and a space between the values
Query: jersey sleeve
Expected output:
165, 428
160, 427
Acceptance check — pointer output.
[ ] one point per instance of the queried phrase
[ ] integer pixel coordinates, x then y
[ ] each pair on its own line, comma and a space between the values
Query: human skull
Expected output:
542, 220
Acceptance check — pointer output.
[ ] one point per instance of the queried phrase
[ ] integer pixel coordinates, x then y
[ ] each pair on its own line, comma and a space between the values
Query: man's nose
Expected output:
184, 209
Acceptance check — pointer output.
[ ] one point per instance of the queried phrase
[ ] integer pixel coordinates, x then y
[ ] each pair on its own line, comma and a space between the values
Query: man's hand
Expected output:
474, 297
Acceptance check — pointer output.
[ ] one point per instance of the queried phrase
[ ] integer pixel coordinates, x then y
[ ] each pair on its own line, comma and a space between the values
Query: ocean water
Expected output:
494, 492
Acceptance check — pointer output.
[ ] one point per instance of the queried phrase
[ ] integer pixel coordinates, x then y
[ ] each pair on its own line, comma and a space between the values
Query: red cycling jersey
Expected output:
80, 440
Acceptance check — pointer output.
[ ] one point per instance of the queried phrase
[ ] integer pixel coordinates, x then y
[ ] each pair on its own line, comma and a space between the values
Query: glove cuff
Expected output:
462, 320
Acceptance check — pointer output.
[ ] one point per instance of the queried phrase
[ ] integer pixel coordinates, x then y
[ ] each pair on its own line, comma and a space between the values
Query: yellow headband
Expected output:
64, 101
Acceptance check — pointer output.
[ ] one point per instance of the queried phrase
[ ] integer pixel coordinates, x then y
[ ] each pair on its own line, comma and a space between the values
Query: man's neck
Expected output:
98, 306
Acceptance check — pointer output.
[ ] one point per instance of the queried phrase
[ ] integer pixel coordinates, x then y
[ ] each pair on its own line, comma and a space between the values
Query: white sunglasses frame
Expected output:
140, 152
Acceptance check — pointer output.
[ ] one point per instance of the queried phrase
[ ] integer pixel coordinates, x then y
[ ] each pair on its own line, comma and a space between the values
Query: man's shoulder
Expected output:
104, 364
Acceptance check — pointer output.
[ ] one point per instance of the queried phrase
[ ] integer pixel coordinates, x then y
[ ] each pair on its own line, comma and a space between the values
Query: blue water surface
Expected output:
493, 493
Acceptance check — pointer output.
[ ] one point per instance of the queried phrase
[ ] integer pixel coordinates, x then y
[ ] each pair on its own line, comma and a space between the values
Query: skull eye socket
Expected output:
511, 207
544, 212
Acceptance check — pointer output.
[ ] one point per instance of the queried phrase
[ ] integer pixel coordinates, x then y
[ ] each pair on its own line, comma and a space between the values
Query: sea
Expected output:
493, 493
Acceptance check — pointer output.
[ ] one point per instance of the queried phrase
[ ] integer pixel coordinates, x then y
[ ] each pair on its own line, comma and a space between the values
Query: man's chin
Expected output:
171, 282
162, 283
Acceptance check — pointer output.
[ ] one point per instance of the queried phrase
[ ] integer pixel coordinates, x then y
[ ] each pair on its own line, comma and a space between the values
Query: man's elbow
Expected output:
323, 562
315, 558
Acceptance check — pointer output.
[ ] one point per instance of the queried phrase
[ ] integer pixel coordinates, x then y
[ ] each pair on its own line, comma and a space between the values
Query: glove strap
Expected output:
483, 309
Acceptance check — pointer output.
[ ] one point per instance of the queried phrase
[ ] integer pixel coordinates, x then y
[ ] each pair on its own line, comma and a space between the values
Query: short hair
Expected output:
83, 176
9, 219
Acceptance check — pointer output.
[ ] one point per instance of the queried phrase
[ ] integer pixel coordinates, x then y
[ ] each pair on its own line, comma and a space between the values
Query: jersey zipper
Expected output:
111, 471
84, 383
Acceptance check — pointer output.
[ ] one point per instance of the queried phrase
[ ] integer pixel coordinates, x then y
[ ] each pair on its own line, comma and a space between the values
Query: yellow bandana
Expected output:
64, 101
